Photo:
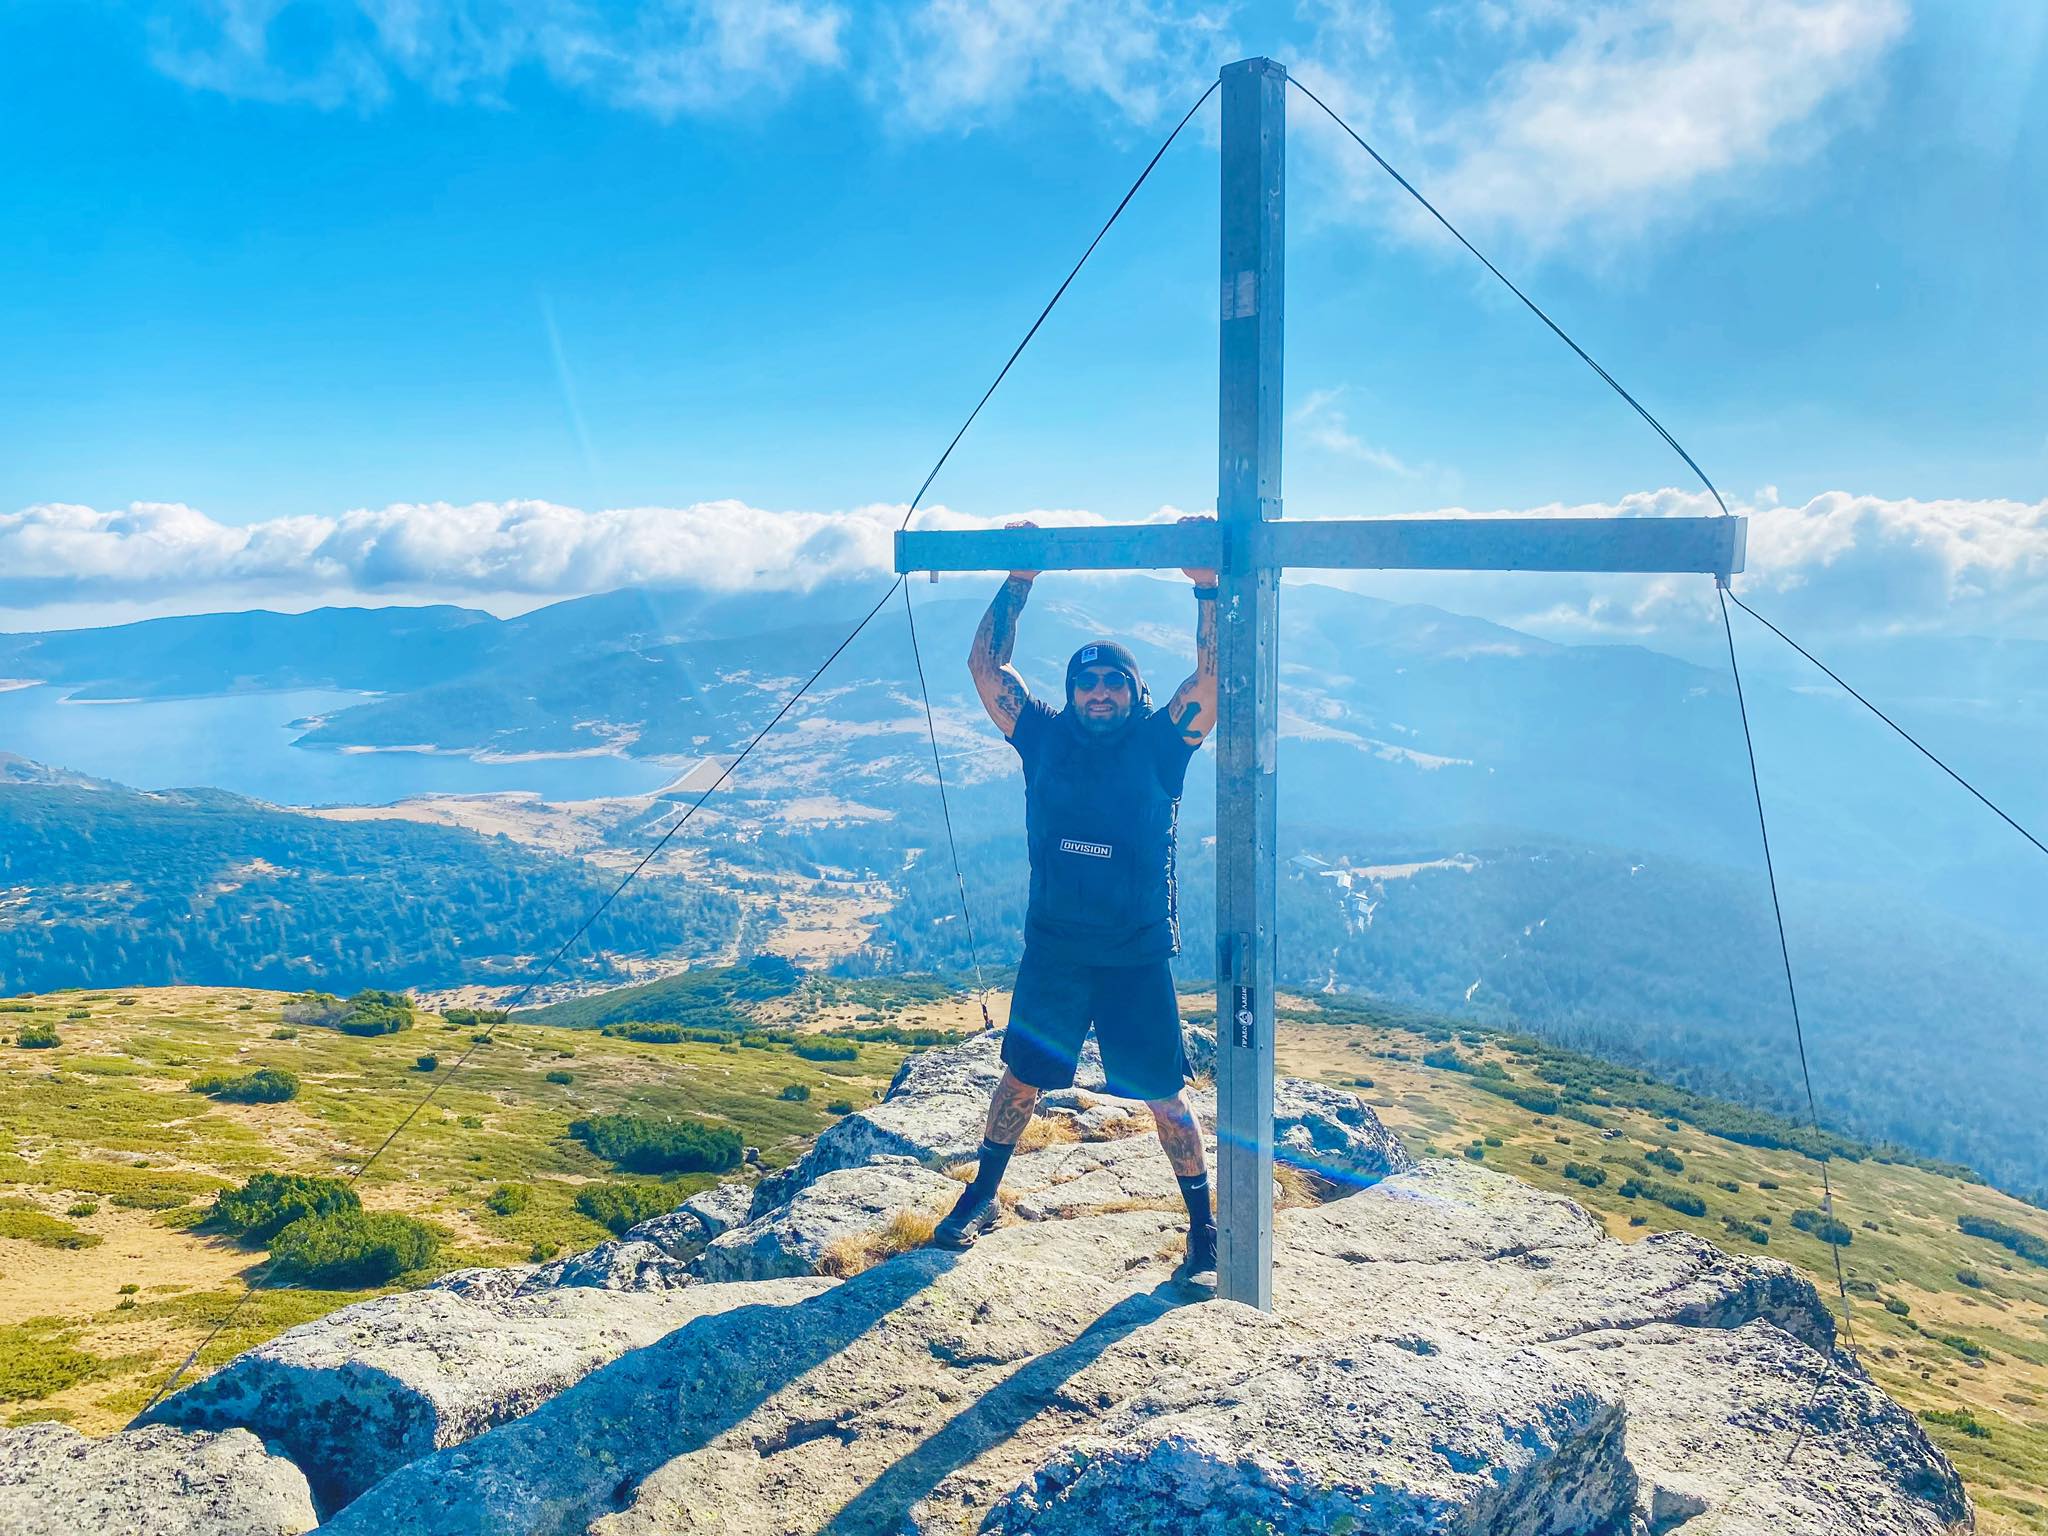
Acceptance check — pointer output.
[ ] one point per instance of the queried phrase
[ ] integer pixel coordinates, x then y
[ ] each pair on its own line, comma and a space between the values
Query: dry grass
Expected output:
1130, 1125
903, 1232
1298, 1187
1048, 1131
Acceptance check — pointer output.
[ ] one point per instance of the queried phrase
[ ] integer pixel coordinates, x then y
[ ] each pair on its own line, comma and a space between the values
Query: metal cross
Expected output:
1249, 544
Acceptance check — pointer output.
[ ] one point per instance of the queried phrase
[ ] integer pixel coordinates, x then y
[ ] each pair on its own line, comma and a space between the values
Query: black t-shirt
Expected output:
1155, 737
1100, 818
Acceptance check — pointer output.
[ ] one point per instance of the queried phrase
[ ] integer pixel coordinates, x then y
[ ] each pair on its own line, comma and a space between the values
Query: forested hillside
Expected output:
1923, 1031
112, 887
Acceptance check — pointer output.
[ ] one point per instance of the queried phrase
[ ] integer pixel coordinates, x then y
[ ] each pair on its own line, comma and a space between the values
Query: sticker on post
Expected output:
1090, 850
1242, 1017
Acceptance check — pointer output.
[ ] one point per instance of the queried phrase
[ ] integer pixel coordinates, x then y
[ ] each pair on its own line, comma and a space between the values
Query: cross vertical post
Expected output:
1247, 732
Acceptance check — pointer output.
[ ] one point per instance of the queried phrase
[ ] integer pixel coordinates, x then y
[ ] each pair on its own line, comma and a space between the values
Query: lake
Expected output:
243, 742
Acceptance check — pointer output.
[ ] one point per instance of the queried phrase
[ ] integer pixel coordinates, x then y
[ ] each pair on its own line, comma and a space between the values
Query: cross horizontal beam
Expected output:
1665, 545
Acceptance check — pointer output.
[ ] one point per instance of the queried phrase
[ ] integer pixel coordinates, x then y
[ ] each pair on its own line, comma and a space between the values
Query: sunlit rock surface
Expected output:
1449, 1351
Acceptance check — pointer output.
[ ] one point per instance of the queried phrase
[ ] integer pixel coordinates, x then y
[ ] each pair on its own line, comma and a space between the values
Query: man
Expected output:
1102, 786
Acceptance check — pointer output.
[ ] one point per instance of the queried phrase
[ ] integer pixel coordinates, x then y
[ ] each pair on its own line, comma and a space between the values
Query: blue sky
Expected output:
273, 263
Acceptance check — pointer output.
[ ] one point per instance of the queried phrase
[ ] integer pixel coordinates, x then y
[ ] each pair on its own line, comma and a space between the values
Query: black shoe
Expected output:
1199, 1267
966, 1222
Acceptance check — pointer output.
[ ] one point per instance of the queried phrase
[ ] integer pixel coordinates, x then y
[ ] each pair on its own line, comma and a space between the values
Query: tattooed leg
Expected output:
1009, 1110
1179, 1135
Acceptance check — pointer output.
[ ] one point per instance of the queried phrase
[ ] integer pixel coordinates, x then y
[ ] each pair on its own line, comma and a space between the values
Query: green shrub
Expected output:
2025, 1244
1824, 1227
470, 1122
616, 1207
352, 1249
543, 1250
1896, 1307
1540, 1159
639, 1144
839, 1107
1955, 1418
270, 1202
284, 1032
266, 1085
1963, 1346
83, 1208
796, 1093
1476, 1152
33, 1367
1494, 1141
427, 1063
1766, 1183
45, 1231
823, 1048
1667, 1159
1683, 1201
78, 1013
564, 1078
1589, 1175
508, 1199
38, 1037
17, 1007
471, 1017
1971, 1278
1746, 1229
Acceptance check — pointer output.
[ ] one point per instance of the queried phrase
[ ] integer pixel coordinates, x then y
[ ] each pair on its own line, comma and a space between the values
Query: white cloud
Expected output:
1837, 564
1319, 420
1598, 121
663, 58
957, 62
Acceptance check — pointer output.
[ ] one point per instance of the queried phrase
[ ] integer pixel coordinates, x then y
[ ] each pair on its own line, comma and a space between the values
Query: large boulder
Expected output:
156, 1481
1767, 1434
1408, 1435
933, 1113
1333, 1135
844, 1206
365, 1390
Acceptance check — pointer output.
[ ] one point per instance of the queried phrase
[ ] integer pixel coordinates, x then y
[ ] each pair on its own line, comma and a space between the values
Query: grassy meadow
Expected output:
110, 1162
107, 1278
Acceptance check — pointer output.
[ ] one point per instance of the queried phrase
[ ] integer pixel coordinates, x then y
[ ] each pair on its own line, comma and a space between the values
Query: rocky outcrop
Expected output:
147, 1482
845, 1205
366, 1390
1449, 1351
1714, 1415
1386, 1436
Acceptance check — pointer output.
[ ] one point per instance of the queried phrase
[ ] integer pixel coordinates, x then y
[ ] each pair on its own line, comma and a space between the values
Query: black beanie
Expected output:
1107, 653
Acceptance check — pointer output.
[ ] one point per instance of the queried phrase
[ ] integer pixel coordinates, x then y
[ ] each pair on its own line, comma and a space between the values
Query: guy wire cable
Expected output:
1821, 1153
909, 615
1888, 720
1785, 952
442, 1078
1532, 306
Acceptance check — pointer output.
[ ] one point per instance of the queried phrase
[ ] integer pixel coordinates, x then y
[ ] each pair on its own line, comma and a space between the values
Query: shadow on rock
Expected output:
998, 1414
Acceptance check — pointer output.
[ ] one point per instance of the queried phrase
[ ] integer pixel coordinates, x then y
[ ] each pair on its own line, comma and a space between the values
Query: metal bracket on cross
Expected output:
1249, 545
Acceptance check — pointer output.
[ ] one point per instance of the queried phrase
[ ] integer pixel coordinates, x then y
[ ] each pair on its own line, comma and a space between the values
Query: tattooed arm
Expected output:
1193, 706
1000, 685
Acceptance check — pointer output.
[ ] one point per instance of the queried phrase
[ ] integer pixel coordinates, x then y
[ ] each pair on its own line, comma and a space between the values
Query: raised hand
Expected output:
1023, 522
1200, 575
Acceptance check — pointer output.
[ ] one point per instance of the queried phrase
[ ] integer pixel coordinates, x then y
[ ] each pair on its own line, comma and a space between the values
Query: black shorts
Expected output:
1133, 1008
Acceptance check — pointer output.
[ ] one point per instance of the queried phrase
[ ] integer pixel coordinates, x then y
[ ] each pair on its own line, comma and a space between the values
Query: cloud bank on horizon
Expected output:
1836, 564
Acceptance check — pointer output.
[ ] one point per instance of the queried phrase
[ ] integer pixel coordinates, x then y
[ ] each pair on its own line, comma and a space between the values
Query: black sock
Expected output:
994, 1160
1194, 1188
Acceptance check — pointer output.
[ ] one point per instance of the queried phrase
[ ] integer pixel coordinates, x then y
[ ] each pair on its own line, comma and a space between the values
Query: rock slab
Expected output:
156, 1481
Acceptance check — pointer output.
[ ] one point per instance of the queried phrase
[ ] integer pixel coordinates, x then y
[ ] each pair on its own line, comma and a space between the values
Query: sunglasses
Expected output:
1107, 679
